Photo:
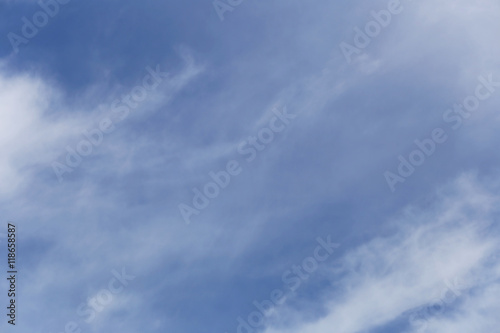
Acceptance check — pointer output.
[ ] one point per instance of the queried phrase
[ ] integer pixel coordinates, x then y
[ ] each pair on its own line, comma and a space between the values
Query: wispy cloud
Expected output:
389, 277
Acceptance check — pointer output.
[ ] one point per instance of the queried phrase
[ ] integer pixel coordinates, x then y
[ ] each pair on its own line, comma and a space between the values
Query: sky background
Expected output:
421, 258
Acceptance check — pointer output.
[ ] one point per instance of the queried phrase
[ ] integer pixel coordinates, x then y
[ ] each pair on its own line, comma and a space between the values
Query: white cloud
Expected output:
390, 277
28, 137
35, 125
479, 313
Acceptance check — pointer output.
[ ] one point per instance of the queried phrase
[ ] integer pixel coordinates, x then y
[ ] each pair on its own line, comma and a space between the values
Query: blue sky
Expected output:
167, 169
